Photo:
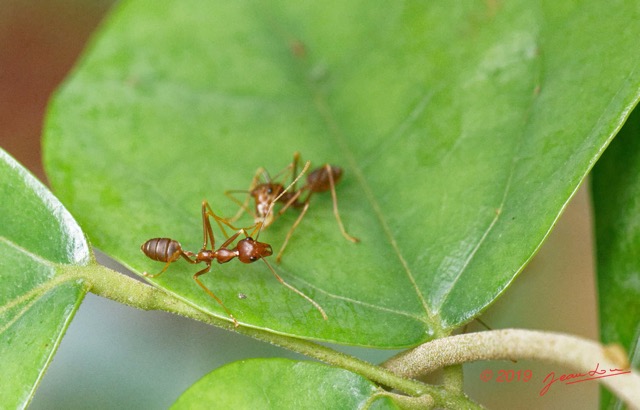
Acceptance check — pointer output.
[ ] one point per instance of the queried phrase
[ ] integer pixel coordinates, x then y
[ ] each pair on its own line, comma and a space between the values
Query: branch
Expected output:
578, 354
107, 283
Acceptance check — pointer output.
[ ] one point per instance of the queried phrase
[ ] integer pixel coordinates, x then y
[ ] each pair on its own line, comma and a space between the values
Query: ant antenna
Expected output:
313, 302
265, 175
260, 225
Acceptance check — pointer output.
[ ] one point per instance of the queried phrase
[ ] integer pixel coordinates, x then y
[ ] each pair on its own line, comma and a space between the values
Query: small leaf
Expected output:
457, 124
38, 238
616, 198
282, 384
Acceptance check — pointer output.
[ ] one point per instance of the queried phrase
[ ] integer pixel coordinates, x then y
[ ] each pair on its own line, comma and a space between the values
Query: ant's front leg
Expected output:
206, 224
232, 238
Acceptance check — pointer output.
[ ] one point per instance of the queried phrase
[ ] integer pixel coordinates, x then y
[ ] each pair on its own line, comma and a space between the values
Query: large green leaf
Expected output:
38, 239
282, 384
463, 128
616, 198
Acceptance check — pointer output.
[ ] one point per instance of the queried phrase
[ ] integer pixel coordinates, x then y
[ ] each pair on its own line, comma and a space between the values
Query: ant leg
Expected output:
233, 238
291, 187
172, 259
257, 228
296, 158
208, 212
335, 207
210, 293
313, 302
293, 228
148, 275
288, 170
207, 232
292, 169
244, 206
292, 200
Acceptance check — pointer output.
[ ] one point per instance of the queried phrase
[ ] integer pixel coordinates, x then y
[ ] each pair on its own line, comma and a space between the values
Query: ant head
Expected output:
266, 192
250, 250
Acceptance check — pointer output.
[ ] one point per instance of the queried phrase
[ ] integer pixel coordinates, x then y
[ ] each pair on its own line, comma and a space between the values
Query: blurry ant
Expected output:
247, 250
266, 194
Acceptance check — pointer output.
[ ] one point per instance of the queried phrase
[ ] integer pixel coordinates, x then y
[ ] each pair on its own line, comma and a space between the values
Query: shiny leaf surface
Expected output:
458, 127
38, 240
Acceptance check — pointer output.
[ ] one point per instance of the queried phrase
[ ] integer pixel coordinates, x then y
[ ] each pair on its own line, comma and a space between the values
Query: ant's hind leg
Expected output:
166, 266
172, 259
335, 206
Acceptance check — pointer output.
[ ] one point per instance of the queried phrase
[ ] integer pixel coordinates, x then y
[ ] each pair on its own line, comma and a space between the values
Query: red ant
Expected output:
247, 250
266, 194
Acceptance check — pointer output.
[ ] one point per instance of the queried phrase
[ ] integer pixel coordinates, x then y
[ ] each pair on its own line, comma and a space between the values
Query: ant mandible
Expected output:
247, 250
266, 194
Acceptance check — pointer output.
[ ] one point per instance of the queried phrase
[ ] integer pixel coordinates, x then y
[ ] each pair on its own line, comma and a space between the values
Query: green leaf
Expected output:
616, 196
616, 199
38, 240
463, 129
282, 384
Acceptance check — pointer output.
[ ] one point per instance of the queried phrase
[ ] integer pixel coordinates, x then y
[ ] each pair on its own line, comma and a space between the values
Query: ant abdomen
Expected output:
162, 249
319, 179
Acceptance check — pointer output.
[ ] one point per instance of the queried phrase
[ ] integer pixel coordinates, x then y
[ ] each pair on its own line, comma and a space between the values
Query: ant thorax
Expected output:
205, 255
264, 196
224, 255
262, 213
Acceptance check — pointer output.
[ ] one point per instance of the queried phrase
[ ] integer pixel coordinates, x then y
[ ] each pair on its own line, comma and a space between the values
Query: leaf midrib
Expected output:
318, 101
32, 295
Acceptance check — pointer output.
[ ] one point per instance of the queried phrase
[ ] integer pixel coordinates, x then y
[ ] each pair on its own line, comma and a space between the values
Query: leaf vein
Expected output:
356, 301
27, 252
338, 135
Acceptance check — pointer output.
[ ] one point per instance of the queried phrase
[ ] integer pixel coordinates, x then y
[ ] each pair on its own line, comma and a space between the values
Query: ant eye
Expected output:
269, 190
253, 258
